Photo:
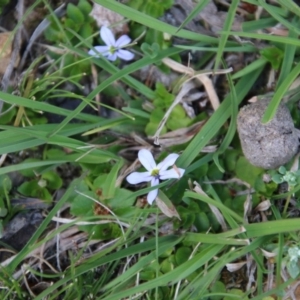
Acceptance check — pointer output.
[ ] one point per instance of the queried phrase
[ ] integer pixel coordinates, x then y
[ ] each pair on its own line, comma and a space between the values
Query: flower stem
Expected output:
287, 202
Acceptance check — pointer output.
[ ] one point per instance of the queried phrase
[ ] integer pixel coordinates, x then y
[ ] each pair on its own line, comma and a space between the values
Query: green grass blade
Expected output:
259, 63
149, 245
290, 6
224, 36
232, 127
267, 37
279, 94
289, 54
272, 10
198, 7
45, 107
181, 272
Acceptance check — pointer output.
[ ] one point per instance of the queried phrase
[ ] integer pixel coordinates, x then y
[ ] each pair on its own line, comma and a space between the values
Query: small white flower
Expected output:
112, 50
155, 173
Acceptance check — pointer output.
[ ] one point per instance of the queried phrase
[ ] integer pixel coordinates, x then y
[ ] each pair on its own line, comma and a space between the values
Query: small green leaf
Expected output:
182, 255
117, 202
235, 292
247, 172
150, 51
177, 123
273, 55
86, 31
69, 23
293, 268
202, 222
75, 14
29, 188
3, 212
167, 265
151, 128
82, 206
282, 170
5, 184
85, 7
6, 117
54, 182
109, 186
103, 231
277, 178
178, 112
218, 287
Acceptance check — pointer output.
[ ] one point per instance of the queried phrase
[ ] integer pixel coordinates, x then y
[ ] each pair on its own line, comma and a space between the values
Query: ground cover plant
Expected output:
123, 132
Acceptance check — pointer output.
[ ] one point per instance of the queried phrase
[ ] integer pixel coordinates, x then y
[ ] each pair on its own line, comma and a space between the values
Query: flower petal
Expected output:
172, 173
146, 159
123, 41
112, 56
104, 50
125, 54
168, 162
107, 36
138, 177
153, 194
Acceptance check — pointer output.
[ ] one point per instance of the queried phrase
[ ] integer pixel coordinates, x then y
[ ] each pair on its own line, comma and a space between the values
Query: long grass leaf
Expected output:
282, 89
224, 35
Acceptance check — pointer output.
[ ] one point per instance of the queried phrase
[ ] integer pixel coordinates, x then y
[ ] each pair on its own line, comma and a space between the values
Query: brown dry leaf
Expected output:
170, 211
181, 135
6, 41
268, 254
263, 206
233, 267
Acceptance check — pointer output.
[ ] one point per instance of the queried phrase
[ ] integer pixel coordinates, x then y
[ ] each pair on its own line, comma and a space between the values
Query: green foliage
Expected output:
273, 55
150, 50
41, 186
77, 19
163, 100
142, 252
5, 187
293, 261
247, 172
292, 178
76, 27
153, 8
234, 294
7, 115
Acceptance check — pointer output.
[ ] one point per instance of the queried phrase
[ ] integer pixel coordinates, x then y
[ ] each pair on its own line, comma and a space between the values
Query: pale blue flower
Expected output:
155, 173
113, 48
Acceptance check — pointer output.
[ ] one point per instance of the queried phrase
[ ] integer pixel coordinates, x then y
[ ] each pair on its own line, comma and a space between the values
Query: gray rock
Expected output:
270, 145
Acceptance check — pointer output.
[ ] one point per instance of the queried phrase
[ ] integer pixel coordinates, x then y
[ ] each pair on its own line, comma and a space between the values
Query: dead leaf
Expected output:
166, 206
235, 266
263, 206
6, 41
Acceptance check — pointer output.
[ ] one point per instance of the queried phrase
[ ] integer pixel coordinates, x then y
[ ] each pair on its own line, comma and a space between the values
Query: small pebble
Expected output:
270, 145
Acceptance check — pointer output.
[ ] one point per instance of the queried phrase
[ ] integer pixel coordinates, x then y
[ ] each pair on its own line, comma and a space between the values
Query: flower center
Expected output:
112, 50
155, 173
